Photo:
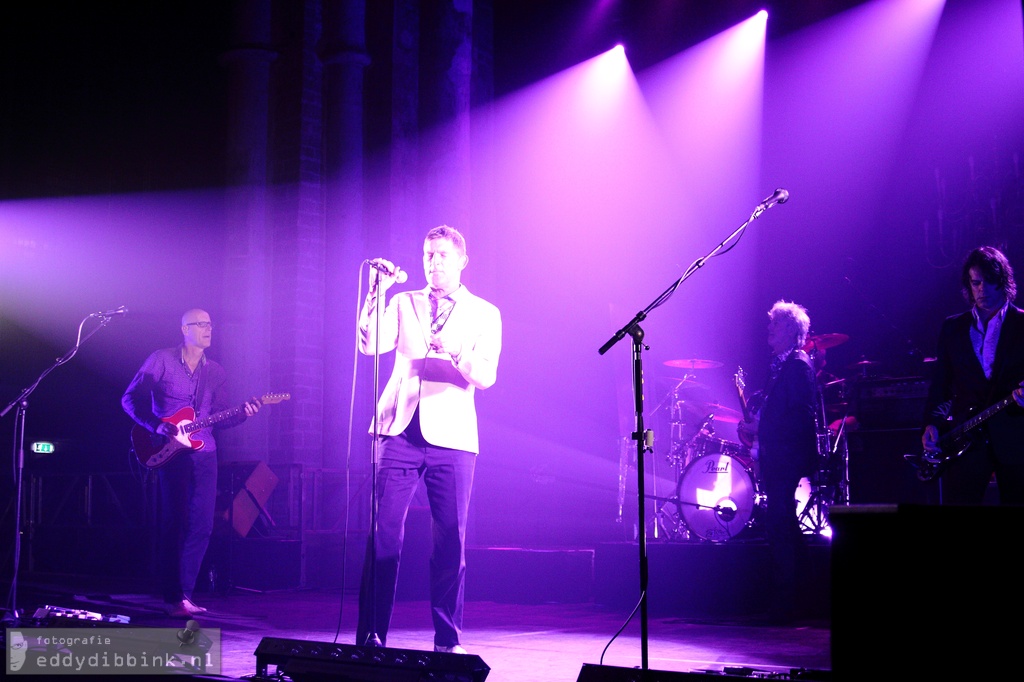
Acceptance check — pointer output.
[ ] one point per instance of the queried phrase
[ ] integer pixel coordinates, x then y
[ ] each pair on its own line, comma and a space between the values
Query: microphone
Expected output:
123, 310
399, 274
188, 635
780, 196
727, 511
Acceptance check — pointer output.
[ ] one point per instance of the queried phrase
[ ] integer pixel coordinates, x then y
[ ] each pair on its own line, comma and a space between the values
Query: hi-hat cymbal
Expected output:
693, 364
824, 341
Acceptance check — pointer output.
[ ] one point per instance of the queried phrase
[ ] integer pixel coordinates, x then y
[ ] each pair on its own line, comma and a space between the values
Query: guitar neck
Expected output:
978, 419
268, 399
212, 419
743, 399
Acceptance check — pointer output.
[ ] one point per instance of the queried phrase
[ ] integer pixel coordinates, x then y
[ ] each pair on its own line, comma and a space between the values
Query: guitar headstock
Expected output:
740, 376
274, 398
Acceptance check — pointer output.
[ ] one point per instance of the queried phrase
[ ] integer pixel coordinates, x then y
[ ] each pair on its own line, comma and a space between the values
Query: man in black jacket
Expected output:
980, 364
787, 448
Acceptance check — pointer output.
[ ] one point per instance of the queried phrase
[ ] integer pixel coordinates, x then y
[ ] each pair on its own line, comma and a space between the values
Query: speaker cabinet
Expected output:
925, 592
303, 661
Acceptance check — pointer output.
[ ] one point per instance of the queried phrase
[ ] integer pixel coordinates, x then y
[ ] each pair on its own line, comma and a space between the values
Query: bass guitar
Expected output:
954, 443
154, 450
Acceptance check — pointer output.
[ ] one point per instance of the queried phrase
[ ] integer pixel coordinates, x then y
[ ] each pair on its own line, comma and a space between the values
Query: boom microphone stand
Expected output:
372, 638
644, 439
19, 448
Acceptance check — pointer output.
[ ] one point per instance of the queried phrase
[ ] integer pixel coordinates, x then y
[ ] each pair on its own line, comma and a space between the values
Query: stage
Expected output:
518, 642
900, 592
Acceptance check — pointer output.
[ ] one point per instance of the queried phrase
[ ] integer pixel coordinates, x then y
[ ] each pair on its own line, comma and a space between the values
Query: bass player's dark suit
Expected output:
959, 389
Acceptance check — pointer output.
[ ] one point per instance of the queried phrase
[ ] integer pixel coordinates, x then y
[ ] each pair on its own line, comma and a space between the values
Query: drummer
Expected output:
787, 447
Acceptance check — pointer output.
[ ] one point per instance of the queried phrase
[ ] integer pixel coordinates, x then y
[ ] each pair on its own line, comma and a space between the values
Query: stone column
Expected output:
241, 335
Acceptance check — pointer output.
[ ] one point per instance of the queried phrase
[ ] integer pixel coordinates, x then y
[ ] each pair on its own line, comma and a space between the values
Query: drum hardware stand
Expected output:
826, 491
680, 457
633, 329
814, 517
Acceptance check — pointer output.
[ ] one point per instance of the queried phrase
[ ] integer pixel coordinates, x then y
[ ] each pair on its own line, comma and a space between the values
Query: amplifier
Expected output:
891, 403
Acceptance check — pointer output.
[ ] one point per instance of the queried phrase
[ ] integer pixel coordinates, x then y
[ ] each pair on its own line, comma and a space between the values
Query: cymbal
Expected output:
862, 364
723, 414
693, 364
695, 411
824, 341
682, 383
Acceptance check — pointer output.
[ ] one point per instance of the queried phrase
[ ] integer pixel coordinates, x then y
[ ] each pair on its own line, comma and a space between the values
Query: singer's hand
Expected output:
386, 280
440, 344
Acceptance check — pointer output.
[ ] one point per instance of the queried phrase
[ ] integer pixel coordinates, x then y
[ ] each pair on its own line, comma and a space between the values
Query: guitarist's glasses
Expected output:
205, 324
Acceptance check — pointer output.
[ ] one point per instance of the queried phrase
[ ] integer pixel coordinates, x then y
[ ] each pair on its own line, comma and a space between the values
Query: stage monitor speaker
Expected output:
304, 661
607, 673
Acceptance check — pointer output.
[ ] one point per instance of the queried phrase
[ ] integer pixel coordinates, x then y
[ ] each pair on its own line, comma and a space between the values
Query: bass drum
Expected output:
717, 496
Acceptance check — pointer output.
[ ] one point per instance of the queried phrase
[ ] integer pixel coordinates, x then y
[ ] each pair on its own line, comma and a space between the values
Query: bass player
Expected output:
980, 362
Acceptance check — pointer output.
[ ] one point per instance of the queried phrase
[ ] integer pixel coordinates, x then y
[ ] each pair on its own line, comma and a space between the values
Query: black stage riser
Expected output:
926, 592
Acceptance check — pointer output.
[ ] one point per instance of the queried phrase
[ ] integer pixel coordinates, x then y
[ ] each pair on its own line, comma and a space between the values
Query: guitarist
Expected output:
979, 361
169, 380
785, 430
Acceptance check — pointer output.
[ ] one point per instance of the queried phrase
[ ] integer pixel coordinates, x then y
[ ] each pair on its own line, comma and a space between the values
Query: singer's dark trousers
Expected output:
188, 495
448, 476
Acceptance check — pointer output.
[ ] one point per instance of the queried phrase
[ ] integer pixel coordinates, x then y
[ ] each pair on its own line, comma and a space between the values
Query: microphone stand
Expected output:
19, 453
643, 439
372, 638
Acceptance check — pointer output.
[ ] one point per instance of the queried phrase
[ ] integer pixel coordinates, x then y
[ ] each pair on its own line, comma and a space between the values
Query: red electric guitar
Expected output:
153, 450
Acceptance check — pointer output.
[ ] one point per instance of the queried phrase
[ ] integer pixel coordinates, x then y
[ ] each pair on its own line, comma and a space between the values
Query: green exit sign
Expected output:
42, 447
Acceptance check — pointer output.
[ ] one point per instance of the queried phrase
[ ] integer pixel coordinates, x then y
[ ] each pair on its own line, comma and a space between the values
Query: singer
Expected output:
787, 450
169, 380
446, 342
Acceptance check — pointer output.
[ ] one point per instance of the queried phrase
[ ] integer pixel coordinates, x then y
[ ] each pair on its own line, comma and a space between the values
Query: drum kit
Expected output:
717, 495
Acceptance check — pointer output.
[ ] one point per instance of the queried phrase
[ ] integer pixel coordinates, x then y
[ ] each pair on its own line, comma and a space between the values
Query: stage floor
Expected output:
519, 643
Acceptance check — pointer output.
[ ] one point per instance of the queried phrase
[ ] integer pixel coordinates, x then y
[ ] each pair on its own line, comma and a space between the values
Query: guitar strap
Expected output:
197, 399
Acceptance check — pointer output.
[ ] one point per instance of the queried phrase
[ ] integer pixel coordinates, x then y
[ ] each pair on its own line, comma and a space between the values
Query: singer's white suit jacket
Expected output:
442, 386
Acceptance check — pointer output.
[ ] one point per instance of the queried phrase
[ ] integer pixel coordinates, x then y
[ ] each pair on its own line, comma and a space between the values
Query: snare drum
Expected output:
717, 495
